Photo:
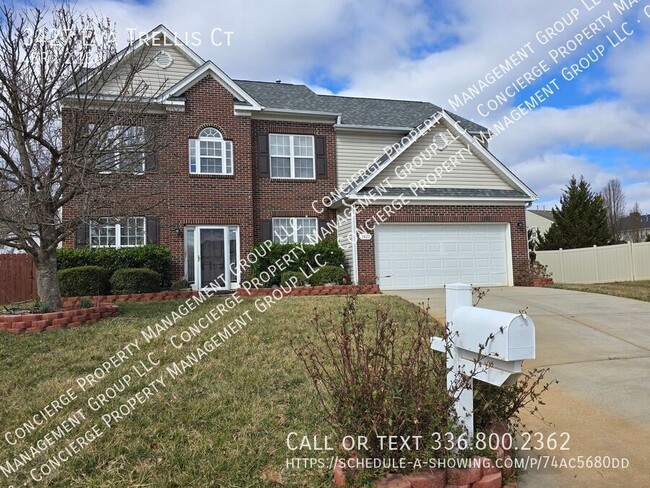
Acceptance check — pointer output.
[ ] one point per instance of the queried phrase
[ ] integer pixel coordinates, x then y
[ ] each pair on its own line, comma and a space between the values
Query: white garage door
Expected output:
432, 255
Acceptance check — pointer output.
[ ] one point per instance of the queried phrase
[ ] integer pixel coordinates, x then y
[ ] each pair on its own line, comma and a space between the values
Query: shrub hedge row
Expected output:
334, 275
95, 280
135, 280
328, 274
325, 252
155, 258
84, 280
93, 271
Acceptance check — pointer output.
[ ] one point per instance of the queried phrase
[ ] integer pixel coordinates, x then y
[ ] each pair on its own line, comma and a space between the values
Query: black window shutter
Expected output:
81, 236
263, 154
151, 158
322, 227
152, 231
267, 230
151, 162
321, 157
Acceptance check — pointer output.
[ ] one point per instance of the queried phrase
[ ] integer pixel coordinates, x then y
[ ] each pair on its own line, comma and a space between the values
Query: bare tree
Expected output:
634, 224
615, 202
75, 130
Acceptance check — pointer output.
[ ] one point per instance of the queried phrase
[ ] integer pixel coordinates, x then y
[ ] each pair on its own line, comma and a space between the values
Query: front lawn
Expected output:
637, 290
224, 422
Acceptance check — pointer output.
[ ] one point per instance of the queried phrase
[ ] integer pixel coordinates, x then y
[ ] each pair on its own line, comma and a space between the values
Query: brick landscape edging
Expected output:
542, 282
66, 319
74, 316
318, 290
482, 473
70, 302
487, 475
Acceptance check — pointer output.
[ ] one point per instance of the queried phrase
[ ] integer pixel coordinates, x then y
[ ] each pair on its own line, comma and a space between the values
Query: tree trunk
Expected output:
47, 282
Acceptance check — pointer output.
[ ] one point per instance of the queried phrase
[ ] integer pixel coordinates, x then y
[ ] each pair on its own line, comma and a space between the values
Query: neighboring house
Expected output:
635, 228
539, 220
249, 161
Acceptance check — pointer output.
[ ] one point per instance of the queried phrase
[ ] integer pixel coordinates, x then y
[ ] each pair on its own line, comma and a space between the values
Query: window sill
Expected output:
210, 175
297, 180
124, 173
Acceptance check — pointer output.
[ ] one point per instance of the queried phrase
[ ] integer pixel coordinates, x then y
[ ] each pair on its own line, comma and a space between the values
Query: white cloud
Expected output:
638, 192
599, 124
285, 38
549, 173
628, 73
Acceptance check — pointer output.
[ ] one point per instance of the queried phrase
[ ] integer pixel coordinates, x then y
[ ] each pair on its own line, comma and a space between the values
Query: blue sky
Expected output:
597, 125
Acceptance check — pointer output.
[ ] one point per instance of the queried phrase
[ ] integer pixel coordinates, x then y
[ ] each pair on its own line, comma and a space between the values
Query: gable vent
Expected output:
440, 141
163, 59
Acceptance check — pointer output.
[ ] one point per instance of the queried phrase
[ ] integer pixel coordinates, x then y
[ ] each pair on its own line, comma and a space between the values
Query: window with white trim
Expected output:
121, 148
210, 154
295, 230
292, 156
114, 232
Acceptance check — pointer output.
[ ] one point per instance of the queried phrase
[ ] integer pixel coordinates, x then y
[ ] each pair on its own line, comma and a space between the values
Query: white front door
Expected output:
433, 255
216, 254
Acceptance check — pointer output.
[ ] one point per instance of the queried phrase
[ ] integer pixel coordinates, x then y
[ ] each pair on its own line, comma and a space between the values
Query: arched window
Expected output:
210, 153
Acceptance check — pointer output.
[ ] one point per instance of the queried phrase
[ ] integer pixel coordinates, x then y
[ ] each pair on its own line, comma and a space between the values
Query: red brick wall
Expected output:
449, 214
243, 199
292, 198
198, 199
207, 199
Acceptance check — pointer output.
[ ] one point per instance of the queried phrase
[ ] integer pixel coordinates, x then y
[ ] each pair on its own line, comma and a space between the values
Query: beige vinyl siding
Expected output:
345, 237
533, 220
354, 151
157, 78
473, 172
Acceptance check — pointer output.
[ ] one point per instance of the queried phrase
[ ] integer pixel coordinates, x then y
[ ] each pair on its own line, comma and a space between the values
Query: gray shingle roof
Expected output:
446, 192
633, 223
389, 113
547, 214
282, 95
376, 112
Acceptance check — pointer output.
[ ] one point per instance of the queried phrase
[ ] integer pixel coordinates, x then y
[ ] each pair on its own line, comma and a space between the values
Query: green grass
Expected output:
223, 423
637, 290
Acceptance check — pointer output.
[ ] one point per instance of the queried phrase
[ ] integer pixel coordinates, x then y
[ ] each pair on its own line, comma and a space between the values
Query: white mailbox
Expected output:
513, 335
487, 345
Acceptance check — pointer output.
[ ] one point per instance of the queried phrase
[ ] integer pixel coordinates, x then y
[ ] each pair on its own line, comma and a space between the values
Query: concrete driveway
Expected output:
598, 347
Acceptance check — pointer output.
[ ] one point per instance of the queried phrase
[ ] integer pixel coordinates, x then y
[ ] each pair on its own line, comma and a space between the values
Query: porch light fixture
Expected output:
178, 231
520, 225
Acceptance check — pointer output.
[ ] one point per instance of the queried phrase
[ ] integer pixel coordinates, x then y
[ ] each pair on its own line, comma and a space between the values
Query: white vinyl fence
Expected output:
623, 262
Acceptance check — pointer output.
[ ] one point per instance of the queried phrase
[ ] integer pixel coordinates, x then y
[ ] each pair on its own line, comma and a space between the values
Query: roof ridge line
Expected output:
375, 98
274, 83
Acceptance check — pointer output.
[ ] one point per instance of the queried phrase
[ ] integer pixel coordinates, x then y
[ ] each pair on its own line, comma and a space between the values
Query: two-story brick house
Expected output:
247, 161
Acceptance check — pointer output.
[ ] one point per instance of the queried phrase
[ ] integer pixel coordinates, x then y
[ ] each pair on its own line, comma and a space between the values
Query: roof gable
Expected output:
442, 158
183, 60
489, 173
210, 69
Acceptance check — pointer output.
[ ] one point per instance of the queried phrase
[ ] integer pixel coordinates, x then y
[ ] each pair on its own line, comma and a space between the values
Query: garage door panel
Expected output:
402, 264
417, 246
450, 247
467, 263
432, 255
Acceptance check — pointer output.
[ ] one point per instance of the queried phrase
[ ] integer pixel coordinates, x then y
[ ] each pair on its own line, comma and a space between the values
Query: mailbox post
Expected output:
494, 342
